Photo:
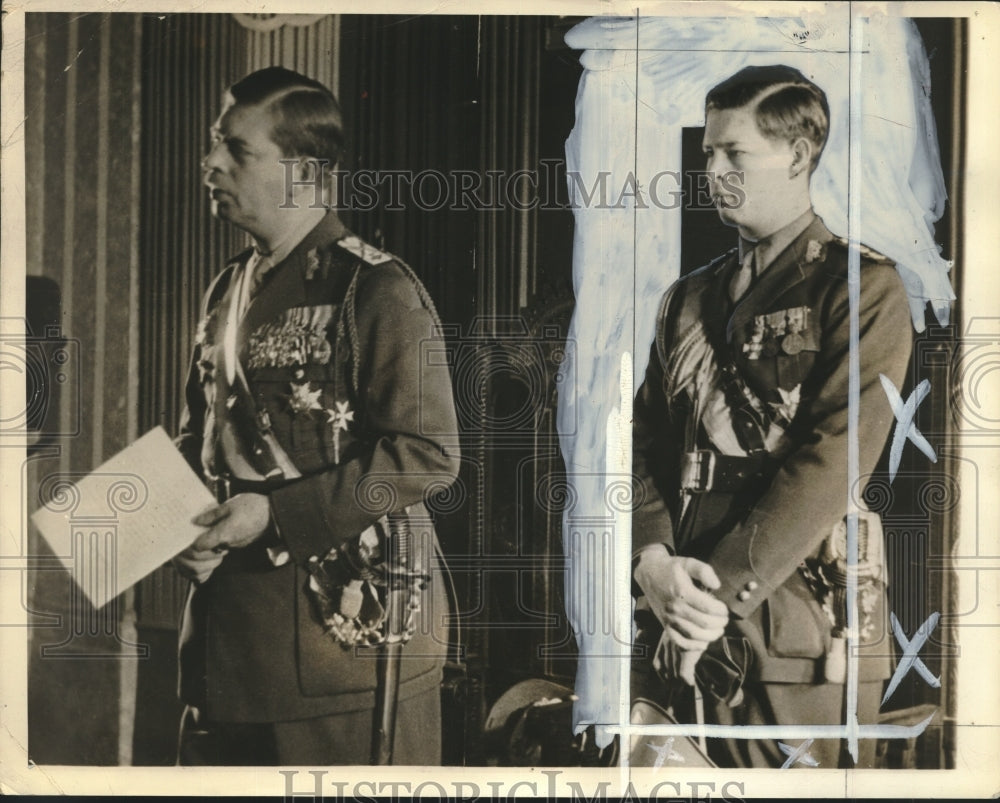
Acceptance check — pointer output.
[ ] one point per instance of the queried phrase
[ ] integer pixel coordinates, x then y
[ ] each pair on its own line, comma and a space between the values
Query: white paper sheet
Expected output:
114, 526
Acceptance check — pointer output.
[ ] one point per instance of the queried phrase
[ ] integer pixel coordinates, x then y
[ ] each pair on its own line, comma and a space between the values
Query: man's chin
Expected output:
728, 215
220, 210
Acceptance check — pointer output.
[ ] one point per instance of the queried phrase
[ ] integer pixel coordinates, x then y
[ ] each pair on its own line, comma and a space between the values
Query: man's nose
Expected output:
715, 163
213, 159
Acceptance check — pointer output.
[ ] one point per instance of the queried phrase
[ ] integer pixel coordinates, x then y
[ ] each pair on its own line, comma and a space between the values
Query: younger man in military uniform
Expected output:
314, 414
741, 439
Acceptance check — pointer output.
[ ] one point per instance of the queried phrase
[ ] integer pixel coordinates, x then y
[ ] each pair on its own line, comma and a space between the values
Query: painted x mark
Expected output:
910, 659
798, 755
664, 752
905, 428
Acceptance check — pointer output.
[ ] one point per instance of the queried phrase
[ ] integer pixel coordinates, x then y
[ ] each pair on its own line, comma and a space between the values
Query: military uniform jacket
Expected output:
756, 536
334, 349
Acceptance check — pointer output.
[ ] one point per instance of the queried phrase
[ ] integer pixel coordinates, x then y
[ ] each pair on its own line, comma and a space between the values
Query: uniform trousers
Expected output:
343, 739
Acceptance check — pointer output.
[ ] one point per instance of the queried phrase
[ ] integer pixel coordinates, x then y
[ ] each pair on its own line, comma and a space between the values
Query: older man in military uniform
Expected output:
313, 412
741, 439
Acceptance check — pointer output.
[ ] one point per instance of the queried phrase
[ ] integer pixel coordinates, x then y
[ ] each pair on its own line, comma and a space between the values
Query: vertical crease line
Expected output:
854, 189
957, 160
69, 233
624, 681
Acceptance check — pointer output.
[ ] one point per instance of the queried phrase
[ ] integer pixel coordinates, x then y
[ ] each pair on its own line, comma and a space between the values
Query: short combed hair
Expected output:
788, 105
306, 116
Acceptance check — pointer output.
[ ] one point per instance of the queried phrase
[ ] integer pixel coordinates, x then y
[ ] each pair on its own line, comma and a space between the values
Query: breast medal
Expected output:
798, 319
780, 332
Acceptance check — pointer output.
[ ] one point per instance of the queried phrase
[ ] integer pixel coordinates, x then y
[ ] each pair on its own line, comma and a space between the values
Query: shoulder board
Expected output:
366, 253
866, 252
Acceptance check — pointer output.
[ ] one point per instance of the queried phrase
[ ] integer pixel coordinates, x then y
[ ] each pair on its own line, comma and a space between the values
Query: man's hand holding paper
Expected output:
234, 524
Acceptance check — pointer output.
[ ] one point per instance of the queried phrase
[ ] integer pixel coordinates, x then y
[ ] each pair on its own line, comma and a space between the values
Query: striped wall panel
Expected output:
81, 182
82, 128
310, 49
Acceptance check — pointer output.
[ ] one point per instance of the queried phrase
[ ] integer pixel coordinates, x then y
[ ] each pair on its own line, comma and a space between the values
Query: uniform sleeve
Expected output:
191, 434
809, 494
406, 412
651, 458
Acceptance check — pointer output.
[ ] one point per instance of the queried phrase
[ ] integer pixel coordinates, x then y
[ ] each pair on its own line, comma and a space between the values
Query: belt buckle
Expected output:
698, 473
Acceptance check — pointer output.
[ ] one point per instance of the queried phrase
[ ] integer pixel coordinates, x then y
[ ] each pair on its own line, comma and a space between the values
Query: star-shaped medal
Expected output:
789, 404
304, 398
339, 417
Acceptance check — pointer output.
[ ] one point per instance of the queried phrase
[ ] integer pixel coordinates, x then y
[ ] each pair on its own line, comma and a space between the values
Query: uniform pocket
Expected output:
795, 625
792, 369
309, 419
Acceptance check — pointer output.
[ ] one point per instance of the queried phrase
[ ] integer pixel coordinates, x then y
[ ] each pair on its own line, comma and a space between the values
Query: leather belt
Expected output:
706, 470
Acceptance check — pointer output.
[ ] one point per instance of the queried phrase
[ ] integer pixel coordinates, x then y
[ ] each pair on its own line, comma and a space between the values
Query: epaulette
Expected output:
361, 249
866, 252
370, 255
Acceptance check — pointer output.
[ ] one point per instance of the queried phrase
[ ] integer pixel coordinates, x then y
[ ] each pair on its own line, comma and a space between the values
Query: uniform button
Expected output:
744, 596
752, 585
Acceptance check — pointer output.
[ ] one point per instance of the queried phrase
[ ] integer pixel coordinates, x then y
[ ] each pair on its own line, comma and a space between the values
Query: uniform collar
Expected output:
300, 227
787, 269
288, 286
770, 247
308, 234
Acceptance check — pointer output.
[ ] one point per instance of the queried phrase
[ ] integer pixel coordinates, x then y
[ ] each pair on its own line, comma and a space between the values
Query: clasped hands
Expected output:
235, 523
677, 590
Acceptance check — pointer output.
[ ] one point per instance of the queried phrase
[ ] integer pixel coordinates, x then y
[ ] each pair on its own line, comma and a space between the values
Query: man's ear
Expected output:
802, 153
309, 171
306, 170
